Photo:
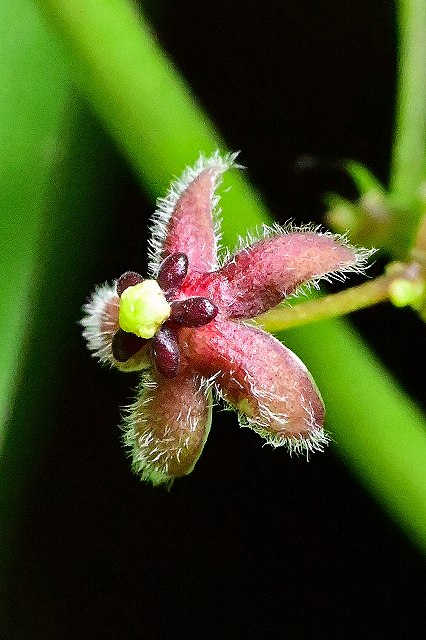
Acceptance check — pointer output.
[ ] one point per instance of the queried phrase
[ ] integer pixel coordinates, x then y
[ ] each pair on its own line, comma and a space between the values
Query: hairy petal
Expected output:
268, 385
167, 426
185, 220
263, 274
100, 324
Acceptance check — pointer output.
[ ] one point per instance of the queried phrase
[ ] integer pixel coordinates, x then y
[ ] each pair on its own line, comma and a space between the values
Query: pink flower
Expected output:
186, 329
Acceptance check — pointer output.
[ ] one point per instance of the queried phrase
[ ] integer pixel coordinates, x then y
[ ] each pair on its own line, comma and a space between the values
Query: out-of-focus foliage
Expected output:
33, 80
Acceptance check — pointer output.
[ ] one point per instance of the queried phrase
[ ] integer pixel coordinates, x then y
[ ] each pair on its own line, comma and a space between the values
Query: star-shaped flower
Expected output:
185, 328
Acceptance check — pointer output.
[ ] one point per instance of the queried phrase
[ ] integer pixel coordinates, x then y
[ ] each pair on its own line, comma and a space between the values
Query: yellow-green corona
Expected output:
143, 309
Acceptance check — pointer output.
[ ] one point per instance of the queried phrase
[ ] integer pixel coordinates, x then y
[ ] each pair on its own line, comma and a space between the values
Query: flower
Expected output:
186, 329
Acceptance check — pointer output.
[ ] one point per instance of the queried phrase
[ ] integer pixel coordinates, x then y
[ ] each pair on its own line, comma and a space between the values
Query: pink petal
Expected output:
263, 274
185, 220
269, 386
167, 426
100, 323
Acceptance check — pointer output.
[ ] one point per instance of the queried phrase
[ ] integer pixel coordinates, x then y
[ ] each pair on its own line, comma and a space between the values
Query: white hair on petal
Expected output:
362, 254
138, 437
313, 439
167, 205
151, 463
96, 330
99, 326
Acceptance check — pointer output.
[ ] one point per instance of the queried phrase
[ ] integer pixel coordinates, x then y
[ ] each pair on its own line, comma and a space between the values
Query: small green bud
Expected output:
404, 292
143, 309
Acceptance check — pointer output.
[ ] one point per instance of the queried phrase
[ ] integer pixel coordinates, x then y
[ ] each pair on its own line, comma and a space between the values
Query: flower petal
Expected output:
167, 426
263, 274
100, 324
268, 385
185, 220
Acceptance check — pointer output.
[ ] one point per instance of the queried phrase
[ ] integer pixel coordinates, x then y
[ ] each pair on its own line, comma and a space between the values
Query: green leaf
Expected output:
53, 162
408, 166
34, 88
365, 181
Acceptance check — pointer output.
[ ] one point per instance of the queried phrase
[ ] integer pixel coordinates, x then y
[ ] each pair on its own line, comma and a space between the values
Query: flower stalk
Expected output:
402, 284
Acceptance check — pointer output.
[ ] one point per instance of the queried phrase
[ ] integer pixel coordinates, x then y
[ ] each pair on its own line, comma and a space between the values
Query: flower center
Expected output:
143, 309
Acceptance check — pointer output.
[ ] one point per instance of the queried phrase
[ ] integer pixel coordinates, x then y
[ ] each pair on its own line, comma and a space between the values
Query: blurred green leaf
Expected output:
56, 158
80, 204
363, 178
142, 100
33, 79
408, 165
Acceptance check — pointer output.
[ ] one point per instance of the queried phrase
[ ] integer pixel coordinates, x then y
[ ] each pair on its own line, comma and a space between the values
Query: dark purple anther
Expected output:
128, 279
165, 352
193, 312
173, 271
125, 345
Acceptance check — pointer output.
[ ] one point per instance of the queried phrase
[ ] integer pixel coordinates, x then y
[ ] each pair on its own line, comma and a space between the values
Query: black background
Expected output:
252, 543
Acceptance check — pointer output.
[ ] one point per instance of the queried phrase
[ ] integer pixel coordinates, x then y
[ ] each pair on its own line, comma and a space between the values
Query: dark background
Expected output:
252, 543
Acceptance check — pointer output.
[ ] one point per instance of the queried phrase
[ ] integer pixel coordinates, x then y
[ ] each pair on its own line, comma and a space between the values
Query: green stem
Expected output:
332, 306
408, 166
406, 276
148, 109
